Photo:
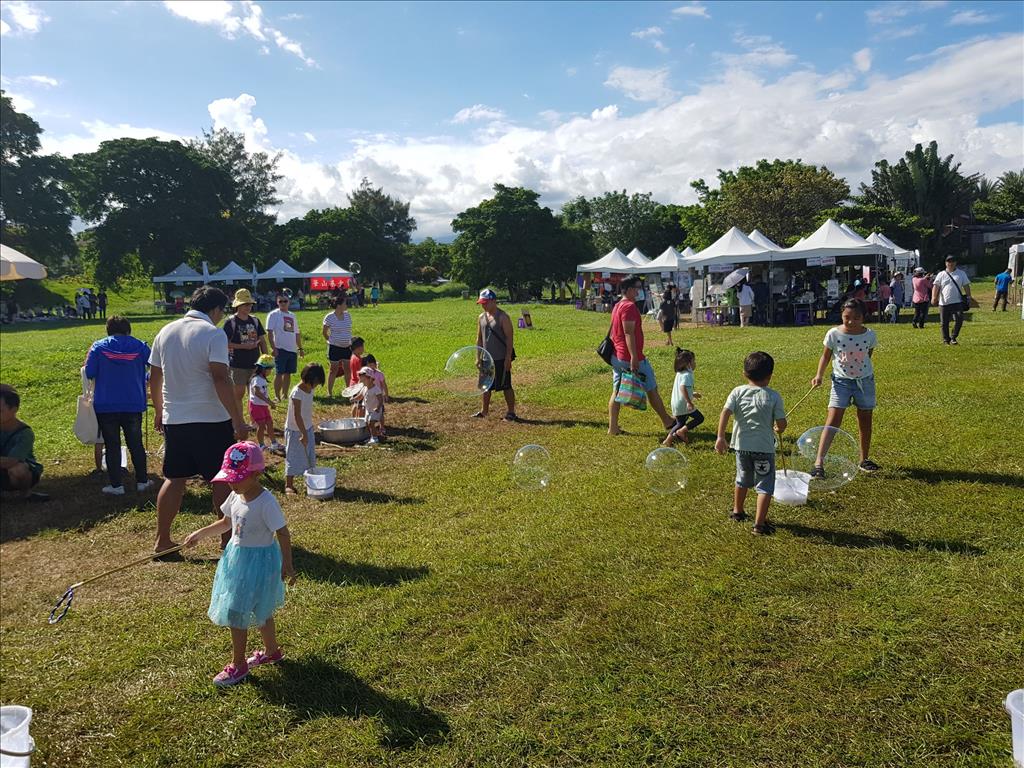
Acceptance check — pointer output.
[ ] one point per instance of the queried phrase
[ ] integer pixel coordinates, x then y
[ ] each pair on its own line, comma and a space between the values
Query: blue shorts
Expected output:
860, 392
645, 371
755, 470
286, 362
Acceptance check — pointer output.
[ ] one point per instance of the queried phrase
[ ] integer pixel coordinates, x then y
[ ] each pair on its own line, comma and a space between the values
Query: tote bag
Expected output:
87, 429
631, 391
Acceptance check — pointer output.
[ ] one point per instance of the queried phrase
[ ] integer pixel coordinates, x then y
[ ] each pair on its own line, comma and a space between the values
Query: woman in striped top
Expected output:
337, 330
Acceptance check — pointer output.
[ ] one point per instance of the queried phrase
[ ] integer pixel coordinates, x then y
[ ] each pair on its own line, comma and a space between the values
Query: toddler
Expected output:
373, 403
382, 382
299, 445
683, 407
260, 403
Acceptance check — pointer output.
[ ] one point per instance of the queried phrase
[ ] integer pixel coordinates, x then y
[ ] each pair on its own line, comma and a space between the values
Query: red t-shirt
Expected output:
355, 363
625, 311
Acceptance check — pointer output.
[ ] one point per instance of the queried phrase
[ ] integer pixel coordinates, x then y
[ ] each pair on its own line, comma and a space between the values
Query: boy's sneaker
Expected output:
231, 675
869, 466
818, 473
113, 490
145, 485
259, 657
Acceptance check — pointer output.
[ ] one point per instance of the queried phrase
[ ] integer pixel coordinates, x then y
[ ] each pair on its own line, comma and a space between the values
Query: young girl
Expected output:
849, 346
382, 382
249, 584
373, 402
260, 403
683, 406
299, 447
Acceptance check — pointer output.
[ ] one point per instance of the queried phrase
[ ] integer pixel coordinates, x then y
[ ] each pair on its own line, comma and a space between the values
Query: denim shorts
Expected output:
645, 371
860, 392
286, 362
756, 470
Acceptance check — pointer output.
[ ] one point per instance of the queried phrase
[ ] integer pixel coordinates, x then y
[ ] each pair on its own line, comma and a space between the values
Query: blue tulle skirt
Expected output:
248, 587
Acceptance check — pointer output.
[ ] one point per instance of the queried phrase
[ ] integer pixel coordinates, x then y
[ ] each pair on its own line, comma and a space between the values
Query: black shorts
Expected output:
5, 478
334, 354
502, 378
196, 449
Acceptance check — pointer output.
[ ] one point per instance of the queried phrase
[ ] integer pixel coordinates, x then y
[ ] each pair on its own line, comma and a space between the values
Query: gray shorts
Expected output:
240, 376
755, 470
298, 458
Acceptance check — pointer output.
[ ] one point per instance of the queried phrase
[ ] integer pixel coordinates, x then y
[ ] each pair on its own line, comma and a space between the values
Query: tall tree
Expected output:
387, 219
429, 258
35, 206
1005, 201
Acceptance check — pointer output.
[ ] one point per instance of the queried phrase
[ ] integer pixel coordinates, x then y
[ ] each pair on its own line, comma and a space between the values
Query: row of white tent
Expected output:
736, 248
183, 273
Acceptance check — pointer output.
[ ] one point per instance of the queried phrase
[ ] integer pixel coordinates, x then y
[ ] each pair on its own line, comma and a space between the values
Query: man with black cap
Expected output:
951, 292
494, 333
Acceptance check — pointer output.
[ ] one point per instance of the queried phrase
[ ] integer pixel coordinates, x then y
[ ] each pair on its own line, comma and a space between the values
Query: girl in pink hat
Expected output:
249, 584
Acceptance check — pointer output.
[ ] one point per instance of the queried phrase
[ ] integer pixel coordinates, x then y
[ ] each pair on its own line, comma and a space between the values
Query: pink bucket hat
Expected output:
240, 461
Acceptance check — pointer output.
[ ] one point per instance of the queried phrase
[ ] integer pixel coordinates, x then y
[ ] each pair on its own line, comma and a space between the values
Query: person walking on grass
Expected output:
627, 336
285, 345
897, 293
249, 584
494, 333
849, 347
194, 403
337, 330
1003, 282
754, 406
684, 407
951, 293
922, 296
247, 340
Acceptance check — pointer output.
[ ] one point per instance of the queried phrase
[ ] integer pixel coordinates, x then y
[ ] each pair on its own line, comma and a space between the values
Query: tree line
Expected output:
149, 204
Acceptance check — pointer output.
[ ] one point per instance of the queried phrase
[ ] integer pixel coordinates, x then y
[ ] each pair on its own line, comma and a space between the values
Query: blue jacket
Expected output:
118, 365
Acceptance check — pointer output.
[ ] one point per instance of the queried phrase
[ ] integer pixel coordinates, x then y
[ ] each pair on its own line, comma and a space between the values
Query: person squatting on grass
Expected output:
249, 584
849, 346
299, 445
260, 404
19, 470
754, 407
684, 409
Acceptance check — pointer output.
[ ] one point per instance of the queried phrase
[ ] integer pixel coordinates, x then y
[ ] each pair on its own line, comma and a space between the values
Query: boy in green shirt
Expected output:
19, 470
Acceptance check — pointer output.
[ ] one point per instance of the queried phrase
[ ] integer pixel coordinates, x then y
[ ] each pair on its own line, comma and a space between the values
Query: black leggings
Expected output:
111, 425
690, 420
920, 312
954, 312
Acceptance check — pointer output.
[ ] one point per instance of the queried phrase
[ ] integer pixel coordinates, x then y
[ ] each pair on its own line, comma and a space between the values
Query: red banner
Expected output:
327, 283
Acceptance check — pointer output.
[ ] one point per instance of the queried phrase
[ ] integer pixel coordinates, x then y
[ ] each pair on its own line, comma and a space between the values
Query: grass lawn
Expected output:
444, 617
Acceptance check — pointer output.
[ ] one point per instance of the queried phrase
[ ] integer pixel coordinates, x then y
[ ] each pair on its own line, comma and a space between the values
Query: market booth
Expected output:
326, 277
169, 289
598, 280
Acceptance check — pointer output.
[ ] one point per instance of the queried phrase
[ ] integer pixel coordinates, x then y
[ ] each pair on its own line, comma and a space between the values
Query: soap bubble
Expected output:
840, 457
469, 371
531, 468
667, 470
355, 267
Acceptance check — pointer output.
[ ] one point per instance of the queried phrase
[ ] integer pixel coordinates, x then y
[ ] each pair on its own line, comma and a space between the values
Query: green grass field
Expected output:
444, 617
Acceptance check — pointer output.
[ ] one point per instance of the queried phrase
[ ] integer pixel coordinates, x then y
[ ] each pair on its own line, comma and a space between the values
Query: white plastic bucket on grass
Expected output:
791, 487
124, 459
15, 743
320, 482
1015, 706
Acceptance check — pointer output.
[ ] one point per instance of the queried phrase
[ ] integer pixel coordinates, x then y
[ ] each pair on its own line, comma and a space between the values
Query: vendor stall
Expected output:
598, 279
328, 276
164, 299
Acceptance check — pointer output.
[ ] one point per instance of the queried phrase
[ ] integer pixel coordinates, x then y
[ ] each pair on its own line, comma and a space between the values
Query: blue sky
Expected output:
437, 101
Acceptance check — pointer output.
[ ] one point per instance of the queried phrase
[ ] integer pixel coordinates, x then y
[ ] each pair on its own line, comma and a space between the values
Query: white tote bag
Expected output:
87, 429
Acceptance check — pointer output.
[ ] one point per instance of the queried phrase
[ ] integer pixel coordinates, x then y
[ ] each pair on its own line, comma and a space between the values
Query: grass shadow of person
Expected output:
408, 399
563, 423
348, 494
322, 567
311, 688
888, 540
935, 476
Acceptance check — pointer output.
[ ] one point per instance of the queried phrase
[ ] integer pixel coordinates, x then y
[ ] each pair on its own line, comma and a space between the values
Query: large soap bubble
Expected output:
668, 470
531, 468
469, 371
831, 448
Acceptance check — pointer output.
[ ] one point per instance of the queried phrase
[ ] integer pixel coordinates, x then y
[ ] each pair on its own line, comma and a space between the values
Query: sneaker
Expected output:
112, 490
145, 485
231, 675
259, 657
954, 342
818, 473
372, 441
869, 466
947, 342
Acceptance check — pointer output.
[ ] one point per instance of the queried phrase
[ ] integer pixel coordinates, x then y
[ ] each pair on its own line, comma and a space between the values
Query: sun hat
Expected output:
240, 461
265, 361
487, 295
242, 296
365, 371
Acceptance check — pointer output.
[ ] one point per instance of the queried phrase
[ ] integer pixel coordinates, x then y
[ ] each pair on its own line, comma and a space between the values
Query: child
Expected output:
683, 407
357, 358
382, 382
373, 402
260, 403
754, 407
849, 346
249, 584
299, 447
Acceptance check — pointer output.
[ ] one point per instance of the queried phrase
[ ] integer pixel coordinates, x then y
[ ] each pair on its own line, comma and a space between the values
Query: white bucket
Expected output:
124, 459
791, 487
1015, 706
15, 743
320, 482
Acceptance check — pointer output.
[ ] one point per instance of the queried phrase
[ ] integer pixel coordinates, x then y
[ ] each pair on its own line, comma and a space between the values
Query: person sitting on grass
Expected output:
684, 408
299, 445
754, 406
19, 470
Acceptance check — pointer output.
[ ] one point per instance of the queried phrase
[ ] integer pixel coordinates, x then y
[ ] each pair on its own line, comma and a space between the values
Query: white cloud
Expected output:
26, 18
571, 71
761, 51
891, 12
862, 59
476, 113
899, 33
232, 20
695, 8
649, 32
819, 16
309, 137
44, 80
21, 103
945, 49
660, 46
641, 84
5, 28
236, 116
293, 17
97, 131
970, 18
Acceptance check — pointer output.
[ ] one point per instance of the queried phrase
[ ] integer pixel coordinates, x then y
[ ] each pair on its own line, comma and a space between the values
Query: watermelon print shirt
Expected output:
850, 353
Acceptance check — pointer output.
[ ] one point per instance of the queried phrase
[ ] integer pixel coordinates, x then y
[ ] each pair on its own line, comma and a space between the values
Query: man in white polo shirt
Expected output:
195, 404
951, 292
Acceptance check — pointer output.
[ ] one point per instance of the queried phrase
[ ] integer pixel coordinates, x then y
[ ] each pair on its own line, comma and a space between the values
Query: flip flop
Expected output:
479, 415
37, 498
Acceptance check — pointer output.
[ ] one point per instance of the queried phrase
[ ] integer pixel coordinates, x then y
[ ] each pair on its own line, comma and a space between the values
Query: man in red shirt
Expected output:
628, 337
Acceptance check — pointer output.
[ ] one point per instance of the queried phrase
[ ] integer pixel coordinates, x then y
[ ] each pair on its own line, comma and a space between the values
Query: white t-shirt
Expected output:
306, 403
948, 293
286, 330
746, 296
340, 329
183, 350
253, 523
373, 401
850, 358
258, 394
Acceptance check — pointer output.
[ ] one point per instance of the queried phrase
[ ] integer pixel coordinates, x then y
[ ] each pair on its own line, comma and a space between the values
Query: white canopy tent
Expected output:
762, 239
669, 261
230, 273
182, 274
327, 269
733, 247
614, 261
637, 257
15, 265
280, 271
831, 240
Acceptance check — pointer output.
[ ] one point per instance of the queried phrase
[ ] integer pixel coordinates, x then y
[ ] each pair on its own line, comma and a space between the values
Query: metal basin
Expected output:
343, 431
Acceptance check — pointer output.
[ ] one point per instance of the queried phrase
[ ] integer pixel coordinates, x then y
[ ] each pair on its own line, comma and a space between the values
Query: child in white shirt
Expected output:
299, 445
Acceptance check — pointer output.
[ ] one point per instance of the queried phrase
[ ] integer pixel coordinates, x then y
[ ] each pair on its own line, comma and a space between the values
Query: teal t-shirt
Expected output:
19, 444
679, 406
754, 412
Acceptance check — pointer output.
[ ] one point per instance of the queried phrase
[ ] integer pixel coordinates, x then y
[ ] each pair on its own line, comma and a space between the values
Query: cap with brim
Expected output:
242, 296
265, 361
918, 270
951, 257
487, 295
240, 461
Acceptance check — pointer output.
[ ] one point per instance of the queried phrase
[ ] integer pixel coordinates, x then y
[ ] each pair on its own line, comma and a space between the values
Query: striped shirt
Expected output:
340, 329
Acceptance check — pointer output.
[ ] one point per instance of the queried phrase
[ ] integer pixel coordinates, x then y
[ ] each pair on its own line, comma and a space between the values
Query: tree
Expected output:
1005, 201
387, 219
700, 231
35, 206
431, 254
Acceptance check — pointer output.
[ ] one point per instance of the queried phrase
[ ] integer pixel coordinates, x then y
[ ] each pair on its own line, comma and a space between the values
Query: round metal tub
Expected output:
343, 431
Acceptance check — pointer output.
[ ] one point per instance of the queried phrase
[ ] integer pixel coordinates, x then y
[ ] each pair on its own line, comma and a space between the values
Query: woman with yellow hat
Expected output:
246, 341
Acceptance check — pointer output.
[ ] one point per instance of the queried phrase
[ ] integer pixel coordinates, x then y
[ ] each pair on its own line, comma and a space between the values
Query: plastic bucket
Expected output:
791, 488
320, 482
15, 743
1015, 706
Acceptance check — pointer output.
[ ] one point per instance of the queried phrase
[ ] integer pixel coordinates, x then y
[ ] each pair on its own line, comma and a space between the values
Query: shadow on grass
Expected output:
372, 497
312, 688
418, 400
888, 539
935, 476
326, 568
563, 423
